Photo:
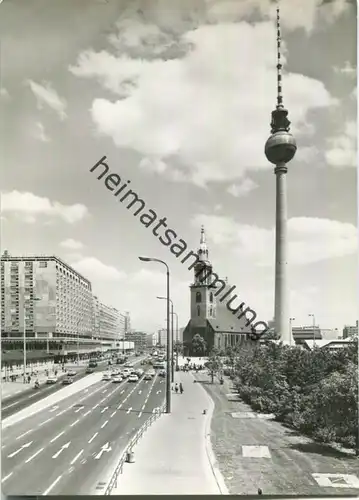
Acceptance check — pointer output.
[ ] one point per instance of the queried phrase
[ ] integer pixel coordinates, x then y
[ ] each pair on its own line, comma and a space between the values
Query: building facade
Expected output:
138, 338
213, 319
46, 295
350, 331
162, 337
52, 300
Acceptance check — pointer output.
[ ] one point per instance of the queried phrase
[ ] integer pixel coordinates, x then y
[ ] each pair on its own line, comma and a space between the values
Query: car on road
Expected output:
126, 371
71, 373
114, 373
93, 364
117, 379
67, 381
106, 377
52, 379
133, 378
89, 369
139, 372
162, 373
148, 376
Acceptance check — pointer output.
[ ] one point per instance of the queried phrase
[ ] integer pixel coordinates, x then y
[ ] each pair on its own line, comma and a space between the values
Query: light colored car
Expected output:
148, 376
115, 373
139, 372
152, 372
67, 381
117, 380
52, 379
106, 377
133, 378
126, 372
71, 373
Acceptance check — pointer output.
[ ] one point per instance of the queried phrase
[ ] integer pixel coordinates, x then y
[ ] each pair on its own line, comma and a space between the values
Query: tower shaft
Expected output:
281, 309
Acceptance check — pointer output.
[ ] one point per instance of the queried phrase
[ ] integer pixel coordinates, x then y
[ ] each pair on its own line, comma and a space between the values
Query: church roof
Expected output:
228, 322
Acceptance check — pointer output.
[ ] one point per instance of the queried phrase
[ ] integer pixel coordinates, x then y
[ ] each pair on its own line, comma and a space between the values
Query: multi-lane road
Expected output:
72, 447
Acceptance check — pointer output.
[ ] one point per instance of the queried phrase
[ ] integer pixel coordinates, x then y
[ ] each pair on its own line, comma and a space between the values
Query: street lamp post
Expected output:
172, 339
24, 336
313, 316
291, 330
168, 380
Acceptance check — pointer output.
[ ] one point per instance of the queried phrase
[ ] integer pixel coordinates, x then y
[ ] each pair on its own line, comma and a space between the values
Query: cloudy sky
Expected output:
178, 96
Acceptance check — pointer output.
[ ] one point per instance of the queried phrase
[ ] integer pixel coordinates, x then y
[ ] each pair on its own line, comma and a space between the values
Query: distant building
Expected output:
212, 317
139, 339
127, 322
302, 333
151, 340
350, 331
162, 337
336, 344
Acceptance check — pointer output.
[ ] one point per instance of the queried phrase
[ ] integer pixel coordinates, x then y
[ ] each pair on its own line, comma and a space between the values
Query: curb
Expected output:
223, 490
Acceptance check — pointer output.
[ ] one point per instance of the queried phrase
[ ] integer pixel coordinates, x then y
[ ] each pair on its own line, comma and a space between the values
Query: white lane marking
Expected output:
140, 414
106, 408
143, 407
24, 434
105, 448
129, 410
53, 409
104, 399
104, 424
77, 456
94, 407
6, 477
57, 437
93, 437
120, 406
61, 412
20, 449
63, 447
33, 395
52, 486
43, 423
74, 423
86, 413
104, 391
34, 455
139, 392
122, 391
114, 413
158, 392
12, 404
79, 409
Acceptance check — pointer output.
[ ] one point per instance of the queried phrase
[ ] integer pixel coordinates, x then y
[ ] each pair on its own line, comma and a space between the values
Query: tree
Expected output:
198, 345
214, 363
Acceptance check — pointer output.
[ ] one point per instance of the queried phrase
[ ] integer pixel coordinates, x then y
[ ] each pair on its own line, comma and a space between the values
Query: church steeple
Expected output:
203, 249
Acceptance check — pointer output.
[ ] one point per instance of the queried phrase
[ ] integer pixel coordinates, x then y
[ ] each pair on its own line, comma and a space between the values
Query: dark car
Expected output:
93, 364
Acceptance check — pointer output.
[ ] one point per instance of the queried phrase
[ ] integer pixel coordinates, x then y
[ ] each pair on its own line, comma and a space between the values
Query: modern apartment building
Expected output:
46, 295
53, 300
139, 339
350, 331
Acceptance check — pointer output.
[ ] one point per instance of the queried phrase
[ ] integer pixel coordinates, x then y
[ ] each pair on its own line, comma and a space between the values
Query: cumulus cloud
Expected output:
30, 205
40, 133
347, 70
175, 108
71, 244
94, 269
310, 239
46, 95
343, 149
242, 189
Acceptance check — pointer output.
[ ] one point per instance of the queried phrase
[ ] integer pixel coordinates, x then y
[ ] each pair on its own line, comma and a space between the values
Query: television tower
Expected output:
280, 149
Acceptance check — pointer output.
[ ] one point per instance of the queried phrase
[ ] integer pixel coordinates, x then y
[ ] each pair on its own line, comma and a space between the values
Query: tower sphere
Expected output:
280, 147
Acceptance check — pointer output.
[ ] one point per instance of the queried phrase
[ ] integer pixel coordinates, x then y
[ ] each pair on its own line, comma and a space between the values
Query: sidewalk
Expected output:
173, 455
12, 388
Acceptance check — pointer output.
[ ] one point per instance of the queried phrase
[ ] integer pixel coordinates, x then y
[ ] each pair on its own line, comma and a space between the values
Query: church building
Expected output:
211, 316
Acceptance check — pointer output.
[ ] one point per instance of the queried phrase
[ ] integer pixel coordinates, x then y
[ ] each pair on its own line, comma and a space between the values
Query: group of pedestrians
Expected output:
178, 387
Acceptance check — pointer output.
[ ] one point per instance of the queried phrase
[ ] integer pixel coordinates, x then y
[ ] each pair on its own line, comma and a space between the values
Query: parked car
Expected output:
52, 379
67, 381
133, 378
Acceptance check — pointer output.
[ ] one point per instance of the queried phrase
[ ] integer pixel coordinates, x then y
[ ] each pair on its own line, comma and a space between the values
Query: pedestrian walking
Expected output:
176, 388
181, 388
29, 379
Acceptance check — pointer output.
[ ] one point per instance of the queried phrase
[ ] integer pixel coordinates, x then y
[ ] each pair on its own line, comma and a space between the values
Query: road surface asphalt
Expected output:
15, 403
71, 447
